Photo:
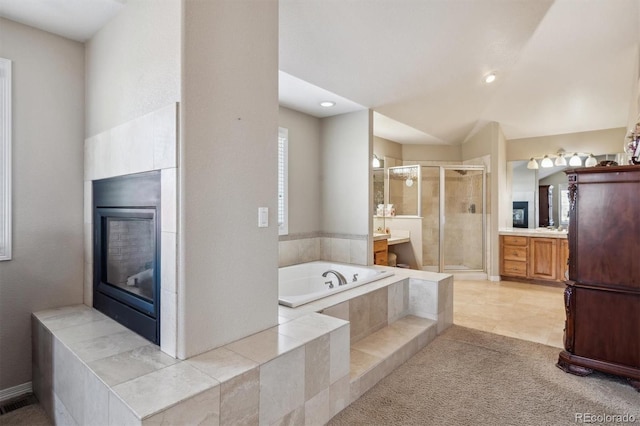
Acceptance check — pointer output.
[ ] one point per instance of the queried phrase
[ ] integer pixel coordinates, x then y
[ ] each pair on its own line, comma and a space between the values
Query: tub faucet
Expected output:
341, 279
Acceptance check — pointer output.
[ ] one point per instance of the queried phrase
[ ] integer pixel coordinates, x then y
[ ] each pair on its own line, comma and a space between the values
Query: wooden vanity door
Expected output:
543, 258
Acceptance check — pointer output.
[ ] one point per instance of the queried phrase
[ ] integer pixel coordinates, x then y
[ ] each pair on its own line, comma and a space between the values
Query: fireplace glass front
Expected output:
127, 250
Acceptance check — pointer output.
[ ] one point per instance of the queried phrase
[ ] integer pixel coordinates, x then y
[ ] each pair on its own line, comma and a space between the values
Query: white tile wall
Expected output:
168, 266
169, 200
168, 322
282, 385
309, 249
240, 399
202, 409
96, 400
340, 356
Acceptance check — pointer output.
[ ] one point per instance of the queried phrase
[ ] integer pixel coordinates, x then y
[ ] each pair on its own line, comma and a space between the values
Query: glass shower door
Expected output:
430, 200
462, 209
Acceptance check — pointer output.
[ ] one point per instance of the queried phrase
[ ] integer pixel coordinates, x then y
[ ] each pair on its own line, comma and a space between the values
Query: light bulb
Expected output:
546, 162
591, 161
409, 182
532, 164
560, 160
490, 78
575, 161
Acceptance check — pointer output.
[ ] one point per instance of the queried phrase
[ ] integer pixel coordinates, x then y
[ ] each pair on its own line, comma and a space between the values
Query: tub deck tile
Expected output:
378, 354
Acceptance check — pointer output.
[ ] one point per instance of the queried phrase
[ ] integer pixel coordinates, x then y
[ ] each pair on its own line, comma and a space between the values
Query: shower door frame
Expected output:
441, 259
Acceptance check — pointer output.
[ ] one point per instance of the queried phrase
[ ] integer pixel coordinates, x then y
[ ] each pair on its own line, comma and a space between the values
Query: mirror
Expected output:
528, 190
404, 191
378, 188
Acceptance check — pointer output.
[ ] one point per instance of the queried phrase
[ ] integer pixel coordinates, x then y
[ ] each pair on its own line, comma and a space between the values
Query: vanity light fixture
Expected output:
532, 164
591, 161
575, 160
376, 162
490, 78
560, 160
546, 162
327, 104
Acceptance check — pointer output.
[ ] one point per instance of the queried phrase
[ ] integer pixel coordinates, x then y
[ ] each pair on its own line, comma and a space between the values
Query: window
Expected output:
5, 159
283, 178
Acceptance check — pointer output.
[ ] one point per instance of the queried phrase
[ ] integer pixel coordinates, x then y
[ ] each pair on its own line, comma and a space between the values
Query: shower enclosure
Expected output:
453, 218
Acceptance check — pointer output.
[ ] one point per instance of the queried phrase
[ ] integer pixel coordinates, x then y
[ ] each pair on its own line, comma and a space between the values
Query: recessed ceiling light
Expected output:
490, 78
327, 104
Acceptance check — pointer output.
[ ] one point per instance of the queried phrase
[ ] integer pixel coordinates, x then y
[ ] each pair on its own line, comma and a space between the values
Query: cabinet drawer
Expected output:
515, 268
381, 258
380, 245
514, 241
517, 253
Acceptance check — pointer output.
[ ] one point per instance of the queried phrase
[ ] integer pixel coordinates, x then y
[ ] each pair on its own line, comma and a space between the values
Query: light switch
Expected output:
263, 217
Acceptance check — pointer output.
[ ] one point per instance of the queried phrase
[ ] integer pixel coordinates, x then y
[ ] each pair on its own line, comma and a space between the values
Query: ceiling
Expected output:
75, 19
562, 66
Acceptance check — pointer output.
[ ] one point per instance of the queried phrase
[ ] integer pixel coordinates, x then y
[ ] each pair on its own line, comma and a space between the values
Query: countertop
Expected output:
393, 238
377, 237
538, 232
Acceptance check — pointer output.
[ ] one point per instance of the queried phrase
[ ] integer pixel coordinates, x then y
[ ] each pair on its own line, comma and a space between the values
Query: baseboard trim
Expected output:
494, 278
10, 393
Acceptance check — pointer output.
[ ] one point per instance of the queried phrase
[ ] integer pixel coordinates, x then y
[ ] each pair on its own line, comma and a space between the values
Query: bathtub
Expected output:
304, 283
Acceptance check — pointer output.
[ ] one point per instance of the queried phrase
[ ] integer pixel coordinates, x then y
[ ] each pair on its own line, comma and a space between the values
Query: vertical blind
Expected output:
5, 159
283, 148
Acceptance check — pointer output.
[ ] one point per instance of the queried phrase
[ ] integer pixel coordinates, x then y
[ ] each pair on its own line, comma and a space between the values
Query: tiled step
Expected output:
378, 354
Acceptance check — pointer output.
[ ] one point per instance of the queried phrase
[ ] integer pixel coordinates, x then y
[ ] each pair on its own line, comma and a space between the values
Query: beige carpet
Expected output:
469, 377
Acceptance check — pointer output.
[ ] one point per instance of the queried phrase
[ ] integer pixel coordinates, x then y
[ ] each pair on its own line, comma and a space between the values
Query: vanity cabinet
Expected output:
563, 260
381, 252
515, 252
533, 258
543, 258
602, 296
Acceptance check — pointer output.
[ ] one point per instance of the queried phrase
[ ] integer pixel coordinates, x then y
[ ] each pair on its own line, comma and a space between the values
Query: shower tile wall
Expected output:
334, 248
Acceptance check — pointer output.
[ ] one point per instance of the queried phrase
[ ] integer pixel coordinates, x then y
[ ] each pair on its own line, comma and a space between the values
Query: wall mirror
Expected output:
404, 191
544, 192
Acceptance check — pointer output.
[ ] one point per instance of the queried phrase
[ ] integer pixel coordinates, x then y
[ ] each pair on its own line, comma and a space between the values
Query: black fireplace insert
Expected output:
126, 251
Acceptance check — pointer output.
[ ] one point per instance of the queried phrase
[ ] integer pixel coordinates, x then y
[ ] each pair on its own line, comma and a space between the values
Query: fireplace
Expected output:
126, 247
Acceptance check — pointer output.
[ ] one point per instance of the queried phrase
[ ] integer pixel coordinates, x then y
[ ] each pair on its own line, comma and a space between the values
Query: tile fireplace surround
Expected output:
141, 145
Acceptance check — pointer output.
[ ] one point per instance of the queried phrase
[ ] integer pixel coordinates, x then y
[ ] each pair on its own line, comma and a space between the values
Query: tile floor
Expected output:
530, 312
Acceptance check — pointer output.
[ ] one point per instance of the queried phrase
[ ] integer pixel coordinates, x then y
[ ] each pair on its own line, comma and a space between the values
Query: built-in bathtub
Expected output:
304, 283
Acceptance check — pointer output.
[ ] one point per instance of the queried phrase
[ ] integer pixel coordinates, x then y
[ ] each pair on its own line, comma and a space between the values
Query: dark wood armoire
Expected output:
602, 296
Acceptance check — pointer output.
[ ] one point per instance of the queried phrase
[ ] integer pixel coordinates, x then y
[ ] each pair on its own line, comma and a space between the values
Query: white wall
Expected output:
227, 285
133, 64
597, 142
347, 150
432, 152
305, 209
48, 135
386, 148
